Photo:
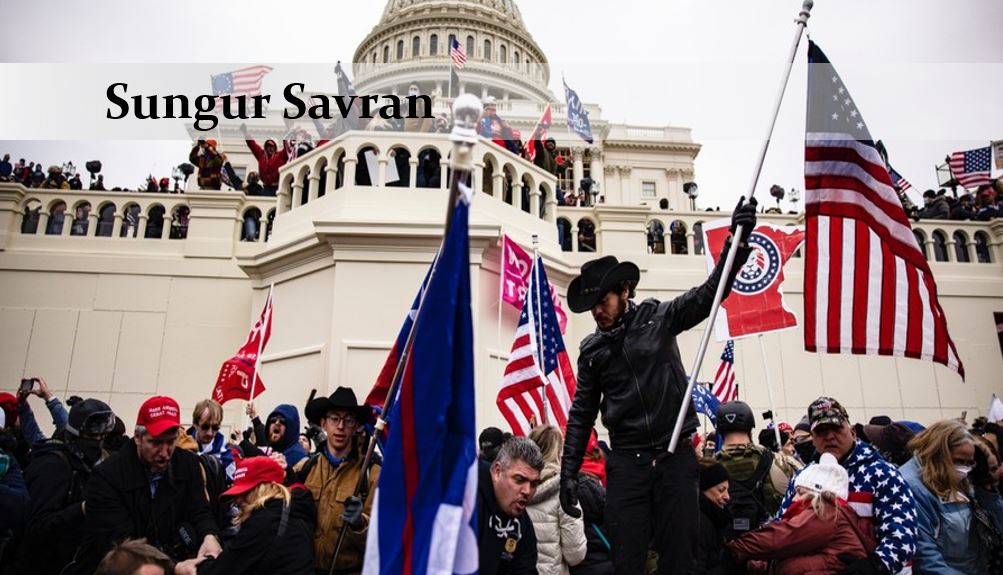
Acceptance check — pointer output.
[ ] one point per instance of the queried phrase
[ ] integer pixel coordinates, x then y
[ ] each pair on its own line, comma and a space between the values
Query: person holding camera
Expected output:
29, 429
150, 490
209, 163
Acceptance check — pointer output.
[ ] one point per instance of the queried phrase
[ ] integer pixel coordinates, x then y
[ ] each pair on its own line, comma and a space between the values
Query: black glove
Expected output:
569, 497
352, 515
862, 565
745, 216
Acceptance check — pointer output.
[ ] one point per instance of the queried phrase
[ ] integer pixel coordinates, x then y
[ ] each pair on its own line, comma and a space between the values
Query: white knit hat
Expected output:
3, 419
826, 475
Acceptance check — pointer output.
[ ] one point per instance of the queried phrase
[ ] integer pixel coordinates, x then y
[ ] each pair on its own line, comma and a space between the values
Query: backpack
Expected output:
747, 506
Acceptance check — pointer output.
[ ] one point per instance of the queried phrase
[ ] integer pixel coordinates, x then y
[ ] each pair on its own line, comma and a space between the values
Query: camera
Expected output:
27, 385
768, 414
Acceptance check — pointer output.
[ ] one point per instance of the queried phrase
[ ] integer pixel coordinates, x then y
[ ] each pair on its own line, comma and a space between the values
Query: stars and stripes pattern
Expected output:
725, 388
898, 181
521, 398
867, 287
457, 53
971, 167
242, 82
879, 494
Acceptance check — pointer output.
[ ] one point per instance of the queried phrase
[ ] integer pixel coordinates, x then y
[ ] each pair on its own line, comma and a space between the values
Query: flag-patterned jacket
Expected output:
878, 492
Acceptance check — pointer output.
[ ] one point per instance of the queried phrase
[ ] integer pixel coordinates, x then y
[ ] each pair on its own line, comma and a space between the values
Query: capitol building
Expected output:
149, 293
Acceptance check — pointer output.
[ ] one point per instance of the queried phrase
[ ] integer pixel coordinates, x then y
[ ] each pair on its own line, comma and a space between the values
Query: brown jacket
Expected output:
806, 544
330, 487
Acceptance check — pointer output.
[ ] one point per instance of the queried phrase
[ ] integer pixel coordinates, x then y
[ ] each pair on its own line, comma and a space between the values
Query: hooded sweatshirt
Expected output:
289, 444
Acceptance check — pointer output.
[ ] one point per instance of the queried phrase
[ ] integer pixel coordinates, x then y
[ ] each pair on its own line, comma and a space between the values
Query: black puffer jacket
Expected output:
259, 547
711, 557
592, 497
633, 372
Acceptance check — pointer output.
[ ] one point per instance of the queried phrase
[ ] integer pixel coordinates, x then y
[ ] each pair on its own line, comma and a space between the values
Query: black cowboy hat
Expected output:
599, 277
342, 398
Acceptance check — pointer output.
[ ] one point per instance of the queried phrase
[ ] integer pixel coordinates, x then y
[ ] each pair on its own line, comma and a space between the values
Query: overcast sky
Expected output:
927, 75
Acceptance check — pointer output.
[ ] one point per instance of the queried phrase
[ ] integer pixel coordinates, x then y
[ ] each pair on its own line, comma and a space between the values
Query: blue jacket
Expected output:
944, 545
29, 426
14, 499
877, 492
289, 445
217, 449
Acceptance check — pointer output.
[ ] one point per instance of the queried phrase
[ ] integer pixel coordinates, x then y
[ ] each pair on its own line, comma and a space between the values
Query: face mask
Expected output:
90, 449
805, 451
412, 92
963, 470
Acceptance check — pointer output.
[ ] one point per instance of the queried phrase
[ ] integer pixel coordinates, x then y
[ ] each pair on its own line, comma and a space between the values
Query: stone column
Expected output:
534, 200
689, 241
950, 243
579, 168
351, 161
314, 192
517, 191
143, 219
68, 218
443, 173
498, 186
43, 222
165, 230
116, 229
297, 199
332, 177
381, 172
412, 171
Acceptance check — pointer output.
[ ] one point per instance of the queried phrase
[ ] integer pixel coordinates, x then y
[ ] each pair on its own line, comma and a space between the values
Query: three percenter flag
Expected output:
867, 287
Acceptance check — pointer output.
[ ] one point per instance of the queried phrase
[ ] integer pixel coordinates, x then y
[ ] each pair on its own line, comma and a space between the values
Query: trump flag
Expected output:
238, 377
423, 511
756, 304
516, 267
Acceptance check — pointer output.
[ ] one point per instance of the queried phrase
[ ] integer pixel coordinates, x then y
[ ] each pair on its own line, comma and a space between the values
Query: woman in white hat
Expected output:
818, 531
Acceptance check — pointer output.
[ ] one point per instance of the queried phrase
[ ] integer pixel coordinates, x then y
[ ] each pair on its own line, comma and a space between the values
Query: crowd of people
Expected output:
984, 205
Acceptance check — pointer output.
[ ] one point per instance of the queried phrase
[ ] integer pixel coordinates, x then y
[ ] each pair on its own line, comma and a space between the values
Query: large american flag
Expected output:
458, 54
725, 388
521, 396
242, 82
971, 167
867, 287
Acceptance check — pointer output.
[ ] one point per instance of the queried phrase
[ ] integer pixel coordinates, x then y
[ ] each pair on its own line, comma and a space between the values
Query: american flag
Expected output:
867, 287
971, 167
458, 54
242, 82
898, 181
724, 386
521, 396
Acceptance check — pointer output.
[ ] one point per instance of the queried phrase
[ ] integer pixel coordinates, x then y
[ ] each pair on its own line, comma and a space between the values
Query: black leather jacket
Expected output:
634, 374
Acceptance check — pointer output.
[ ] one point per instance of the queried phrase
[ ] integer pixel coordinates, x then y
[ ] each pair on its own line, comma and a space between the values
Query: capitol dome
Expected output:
410, 44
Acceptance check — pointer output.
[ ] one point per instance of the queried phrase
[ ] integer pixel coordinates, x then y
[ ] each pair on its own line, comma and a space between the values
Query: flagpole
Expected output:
769, 391
729, 262
539, 324
464, 137
257, 358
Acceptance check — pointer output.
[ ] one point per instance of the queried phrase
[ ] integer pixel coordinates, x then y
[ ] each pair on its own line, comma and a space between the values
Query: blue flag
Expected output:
704, 402
423, 513
578, 118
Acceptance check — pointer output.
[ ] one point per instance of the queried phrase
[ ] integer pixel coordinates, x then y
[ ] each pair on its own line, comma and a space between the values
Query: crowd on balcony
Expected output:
985, 204
187, 496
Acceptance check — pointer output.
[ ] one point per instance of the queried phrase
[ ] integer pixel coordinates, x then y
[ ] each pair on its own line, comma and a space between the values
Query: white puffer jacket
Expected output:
560, 538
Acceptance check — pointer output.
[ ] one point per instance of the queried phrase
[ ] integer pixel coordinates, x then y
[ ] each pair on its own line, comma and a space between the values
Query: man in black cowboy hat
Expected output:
630, 369
331, 476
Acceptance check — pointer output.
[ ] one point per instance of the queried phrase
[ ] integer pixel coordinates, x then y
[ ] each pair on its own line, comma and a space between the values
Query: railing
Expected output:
366, 159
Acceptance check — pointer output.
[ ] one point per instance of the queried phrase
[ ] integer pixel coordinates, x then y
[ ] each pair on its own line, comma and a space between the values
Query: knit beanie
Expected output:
712, 475
826, 475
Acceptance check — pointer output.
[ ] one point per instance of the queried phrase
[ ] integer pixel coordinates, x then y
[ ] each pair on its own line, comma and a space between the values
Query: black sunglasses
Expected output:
208, 426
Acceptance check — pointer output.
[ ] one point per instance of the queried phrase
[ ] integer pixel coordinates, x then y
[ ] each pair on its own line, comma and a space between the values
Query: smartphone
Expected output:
27, 385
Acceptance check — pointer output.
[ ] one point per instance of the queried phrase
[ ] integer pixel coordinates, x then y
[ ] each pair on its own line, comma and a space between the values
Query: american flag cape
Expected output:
521, 398
423, 511
971, 168
725, 387
867, 287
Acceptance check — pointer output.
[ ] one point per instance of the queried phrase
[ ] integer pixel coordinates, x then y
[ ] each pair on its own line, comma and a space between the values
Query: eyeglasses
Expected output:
208, 426
348, 420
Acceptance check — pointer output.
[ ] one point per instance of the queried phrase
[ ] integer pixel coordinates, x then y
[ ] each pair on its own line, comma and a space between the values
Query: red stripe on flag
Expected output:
914, 333
848, 155
835, 281
862, 254
886, 331
810, 282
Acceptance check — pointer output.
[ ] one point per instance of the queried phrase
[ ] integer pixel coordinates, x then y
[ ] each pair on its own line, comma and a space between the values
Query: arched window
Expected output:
921, 240
155, 222
364, 172
677, 237
502, 54
939, 246
386, 54
130, 221
487, 51
586, 235
982, 252
268, 224
179, 223
32, 212
415, 47
449, 47
81, 219
470, 46
106, 221
374, 56
698, 238
399, 161
961, 247
400, 50
433, 45
429, 173
564, 234
252, 225
57, 218
656, 237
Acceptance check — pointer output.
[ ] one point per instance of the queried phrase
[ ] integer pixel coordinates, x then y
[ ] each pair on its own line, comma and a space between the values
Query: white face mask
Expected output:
412, 92
963, 470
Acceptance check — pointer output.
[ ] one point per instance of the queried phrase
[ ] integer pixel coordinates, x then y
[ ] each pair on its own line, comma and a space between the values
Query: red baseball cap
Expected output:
252, 472
159, 414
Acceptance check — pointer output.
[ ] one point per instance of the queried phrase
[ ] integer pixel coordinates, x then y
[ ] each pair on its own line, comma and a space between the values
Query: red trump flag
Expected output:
756, 304
238, 377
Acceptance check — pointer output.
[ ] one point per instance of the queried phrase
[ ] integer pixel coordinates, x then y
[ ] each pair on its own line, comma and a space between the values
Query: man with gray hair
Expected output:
507, 540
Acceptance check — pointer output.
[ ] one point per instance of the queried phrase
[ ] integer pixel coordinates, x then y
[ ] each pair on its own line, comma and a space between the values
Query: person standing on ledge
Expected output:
630, 369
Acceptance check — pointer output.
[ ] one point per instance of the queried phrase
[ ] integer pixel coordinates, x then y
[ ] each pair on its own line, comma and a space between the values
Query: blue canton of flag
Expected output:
222, 84
705, 402
578, 117
423, 511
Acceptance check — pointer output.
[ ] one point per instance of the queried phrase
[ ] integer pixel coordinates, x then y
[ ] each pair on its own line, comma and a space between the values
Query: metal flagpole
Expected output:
535, 285
466, 112
802, 23
769, 391
261, 341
